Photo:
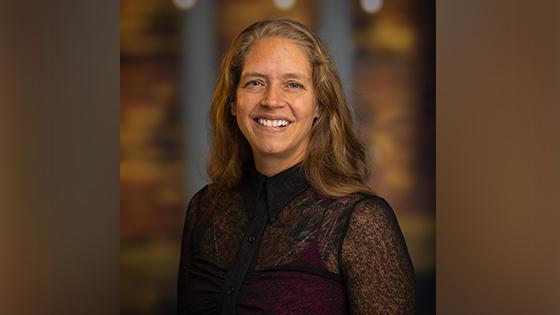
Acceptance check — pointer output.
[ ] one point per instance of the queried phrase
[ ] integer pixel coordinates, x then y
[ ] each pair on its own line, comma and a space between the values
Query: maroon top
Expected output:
274, 246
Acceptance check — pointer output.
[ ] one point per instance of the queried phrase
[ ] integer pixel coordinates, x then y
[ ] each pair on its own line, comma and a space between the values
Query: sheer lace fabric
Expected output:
315, 255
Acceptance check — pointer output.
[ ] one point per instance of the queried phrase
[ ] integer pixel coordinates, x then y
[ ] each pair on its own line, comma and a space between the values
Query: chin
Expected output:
270, 149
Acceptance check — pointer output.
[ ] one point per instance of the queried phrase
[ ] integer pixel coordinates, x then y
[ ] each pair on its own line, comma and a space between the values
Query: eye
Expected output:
295, 85
253, 83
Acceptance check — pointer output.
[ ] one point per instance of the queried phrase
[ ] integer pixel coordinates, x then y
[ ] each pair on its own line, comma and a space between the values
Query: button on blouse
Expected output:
272, 245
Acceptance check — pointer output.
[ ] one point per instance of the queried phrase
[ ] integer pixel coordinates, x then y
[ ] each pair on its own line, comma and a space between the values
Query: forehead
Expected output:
277, 55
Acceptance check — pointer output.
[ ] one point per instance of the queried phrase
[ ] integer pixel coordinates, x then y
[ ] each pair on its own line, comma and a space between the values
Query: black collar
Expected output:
280, 189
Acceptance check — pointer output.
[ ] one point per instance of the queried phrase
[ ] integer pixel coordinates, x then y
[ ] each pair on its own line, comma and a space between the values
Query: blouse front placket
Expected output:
246, 256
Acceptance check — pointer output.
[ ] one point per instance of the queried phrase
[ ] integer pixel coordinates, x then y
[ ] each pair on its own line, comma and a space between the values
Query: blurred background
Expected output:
170, 53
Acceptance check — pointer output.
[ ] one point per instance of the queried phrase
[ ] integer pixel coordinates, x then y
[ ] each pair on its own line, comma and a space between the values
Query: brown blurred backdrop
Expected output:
170, 52
498, 73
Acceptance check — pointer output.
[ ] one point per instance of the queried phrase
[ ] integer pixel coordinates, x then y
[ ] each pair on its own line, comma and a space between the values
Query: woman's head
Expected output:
275, 103
313, 105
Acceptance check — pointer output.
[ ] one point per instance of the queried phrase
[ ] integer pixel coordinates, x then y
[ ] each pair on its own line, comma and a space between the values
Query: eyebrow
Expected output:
295, 75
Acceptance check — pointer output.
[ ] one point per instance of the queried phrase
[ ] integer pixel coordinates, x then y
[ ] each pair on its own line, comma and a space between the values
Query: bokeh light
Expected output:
371, 6
284, 4
184, 4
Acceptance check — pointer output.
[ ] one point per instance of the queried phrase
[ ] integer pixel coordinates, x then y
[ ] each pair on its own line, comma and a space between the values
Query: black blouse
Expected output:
274, 246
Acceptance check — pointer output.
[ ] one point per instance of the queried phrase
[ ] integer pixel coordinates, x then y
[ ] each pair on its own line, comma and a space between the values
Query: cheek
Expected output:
242, 116
306, 110
242, 105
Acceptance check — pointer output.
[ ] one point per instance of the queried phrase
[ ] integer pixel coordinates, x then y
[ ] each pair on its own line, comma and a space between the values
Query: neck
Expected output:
272, 166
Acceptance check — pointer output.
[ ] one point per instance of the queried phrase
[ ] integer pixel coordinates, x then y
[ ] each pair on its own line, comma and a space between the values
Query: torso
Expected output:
293, 267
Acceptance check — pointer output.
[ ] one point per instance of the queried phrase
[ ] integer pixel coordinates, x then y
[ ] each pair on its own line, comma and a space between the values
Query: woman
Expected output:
288, 224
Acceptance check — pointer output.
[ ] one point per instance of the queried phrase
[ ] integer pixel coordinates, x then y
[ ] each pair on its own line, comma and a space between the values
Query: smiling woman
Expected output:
275, 104
288, 224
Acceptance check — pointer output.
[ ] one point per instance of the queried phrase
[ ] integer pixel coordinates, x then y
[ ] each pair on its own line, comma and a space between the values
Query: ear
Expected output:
316, 111
232, 108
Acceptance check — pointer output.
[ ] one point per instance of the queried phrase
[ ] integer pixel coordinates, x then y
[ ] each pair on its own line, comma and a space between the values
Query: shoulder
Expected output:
373, 206
360, 204
364, 204
373, 225
201, 203
202, 196
372, 214
195, 199
205, 194
210, 197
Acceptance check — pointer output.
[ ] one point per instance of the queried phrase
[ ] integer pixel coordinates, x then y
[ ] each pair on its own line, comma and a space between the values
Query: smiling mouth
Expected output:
279, 123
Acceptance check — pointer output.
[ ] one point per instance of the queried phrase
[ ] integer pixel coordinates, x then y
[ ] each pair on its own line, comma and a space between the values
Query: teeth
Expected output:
273, 123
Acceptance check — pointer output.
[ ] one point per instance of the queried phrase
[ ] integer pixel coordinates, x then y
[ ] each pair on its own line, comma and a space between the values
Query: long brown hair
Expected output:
335, 164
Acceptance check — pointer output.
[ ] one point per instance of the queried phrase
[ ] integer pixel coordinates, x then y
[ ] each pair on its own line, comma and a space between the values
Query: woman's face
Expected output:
275, 101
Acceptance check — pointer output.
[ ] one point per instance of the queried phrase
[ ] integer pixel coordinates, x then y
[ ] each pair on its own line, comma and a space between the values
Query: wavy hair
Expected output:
335, 162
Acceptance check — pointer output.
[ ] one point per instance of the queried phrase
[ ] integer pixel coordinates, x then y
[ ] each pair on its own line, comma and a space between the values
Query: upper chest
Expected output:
306, 230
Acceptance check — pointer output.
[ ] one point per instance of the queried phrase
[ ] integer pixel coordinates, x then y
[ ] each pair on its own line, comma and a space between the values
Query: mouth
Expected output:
274, 123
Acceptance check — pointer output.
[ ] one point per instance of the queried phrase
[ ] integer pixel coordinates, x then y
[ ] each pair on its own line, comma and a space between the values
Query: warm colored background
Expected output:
498, 178
387, 61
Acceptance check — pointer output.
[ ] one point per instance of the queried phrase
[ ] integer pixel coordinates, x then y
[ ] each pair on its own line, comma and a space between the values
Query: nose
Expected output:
273, 98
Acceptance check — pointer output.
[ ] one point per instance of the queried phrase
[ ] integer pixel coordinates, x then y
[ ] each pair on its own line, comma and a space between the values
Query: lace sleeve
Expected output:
184, 262
375, 264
